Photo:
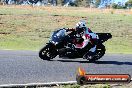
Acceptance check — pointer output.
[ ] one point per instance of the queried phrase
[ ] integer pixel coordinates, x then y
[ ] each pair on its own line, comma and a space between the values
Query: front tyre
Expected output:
47, 53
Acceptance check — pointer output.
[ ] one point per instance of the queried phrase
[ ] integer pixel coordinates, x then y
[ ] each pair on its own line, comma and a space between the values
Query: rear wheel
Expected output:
100, 51
47, 53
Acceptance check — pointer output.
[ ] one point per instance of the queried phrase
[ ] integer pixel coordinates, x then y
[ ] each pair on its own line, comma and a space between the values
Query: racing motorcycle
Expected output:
64, 46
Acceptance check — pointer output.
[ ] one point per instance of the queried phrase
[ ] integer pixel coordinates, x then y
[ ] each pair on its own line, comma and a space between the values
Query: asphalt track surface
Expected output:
18, 67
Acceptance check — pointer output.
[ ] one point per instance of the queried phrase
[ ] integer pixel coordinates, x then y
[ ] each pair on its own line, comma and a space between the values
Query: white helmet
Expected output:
81, 24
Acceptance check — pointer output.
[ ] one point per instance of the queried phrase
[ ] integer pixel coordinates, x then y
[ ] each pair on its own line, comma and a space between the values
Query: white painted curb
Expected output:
39, 84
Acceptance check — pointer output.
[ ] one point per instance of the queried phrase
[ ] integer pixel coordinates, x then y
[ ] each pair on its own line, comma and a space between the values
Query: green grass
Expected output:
28, 28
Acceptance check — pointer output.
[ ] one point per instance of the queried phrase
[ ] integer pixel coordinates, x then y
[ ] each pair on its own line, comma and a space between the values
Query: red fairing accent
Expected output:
87, 36
79, 45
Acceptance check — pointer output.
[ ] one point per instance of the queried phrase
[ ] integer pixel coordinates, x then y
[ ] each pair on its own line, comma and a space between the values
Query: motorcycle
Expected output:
64, 46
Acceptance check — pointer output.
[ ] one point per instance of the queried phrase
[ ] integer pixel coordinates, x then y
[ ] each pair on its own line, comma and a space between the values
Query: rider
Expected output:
87, 35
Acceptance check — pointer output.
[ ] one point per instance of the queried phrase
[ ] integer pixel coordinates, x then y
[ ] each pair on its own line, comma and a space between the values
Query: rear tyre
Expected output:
100, 51
47, 53
92, 57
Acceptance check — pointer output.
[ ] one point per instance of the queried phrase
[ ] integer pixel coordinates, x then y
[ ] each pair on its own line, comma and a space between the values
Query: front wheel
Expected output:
47, 53
100, 51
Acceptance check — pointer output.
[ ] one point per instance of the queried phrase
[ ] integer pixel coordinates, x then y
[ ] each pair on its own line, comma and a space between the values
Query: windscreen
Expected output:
57, 36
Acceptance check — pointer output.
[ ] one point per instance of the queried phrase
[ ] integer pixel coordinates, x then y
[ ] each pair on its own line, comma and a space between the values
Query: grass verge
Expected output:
29, 28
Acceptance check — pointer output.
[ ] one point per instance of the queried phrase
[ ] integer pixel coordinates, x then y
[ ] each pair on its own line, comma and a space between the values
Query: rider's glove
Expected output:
70, 29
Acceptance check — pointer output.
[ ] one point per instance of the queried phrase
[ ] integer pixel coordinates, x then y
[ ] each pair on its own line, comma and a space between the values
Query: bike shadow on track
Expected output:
98, 62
